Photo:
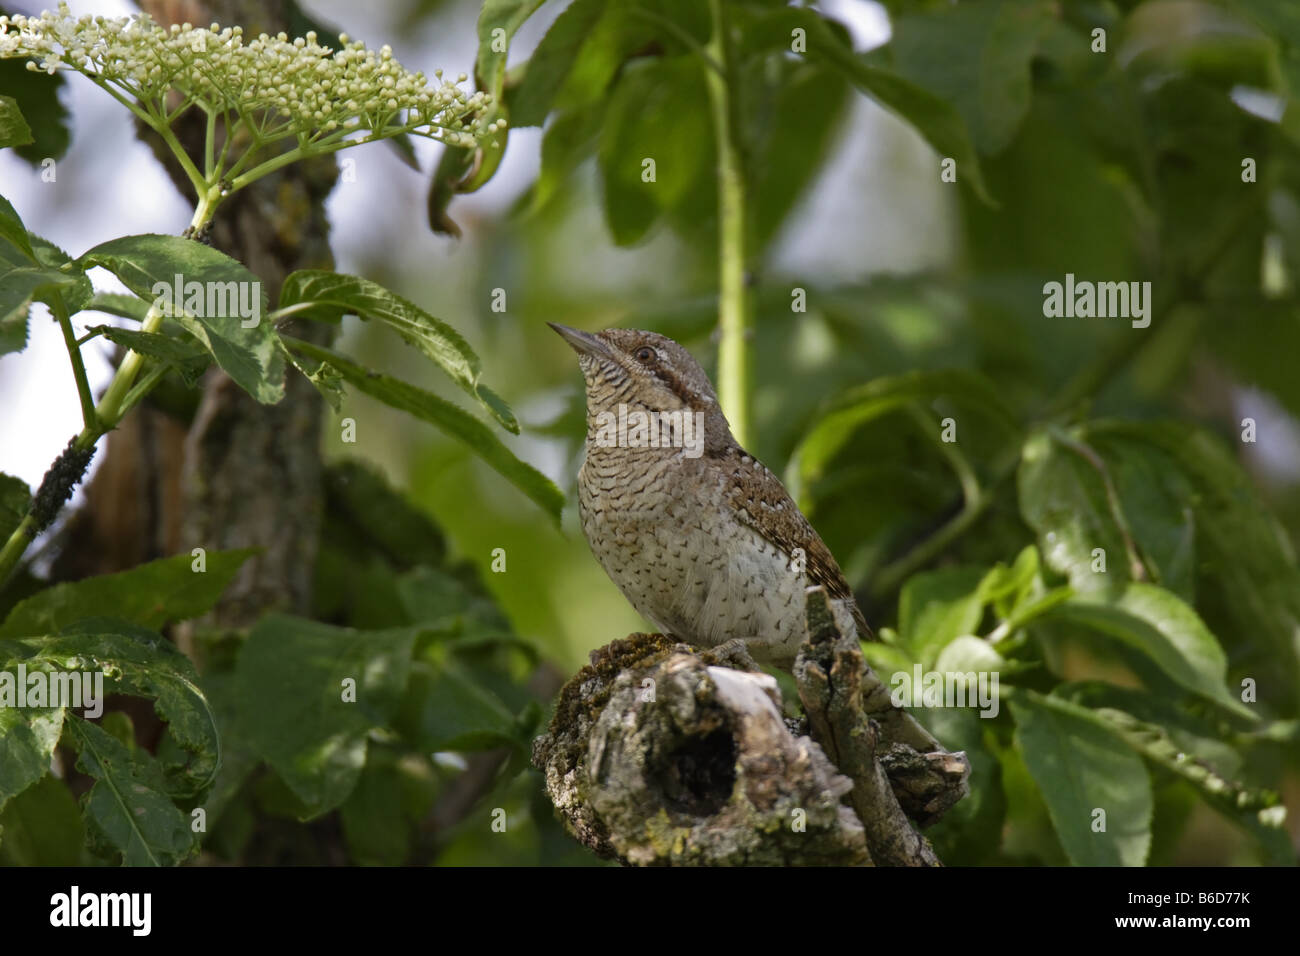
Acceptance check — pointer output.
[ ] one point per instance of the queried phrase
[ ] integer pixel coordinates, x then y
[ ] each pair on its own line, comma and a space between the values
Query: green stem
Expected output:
733, 306
119, 398
209, 145
111, 408
60, 310
270, 166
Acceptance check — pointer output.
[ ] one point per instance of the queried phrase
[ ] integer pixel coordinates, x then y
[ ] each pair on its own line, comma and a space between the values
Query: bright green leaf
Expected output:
331, 295
1169, 632
152, 265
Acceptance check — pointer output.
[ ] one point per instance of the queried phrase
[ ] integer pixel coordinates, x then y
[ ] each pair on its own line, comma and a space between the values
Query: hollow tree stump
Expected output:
659, 755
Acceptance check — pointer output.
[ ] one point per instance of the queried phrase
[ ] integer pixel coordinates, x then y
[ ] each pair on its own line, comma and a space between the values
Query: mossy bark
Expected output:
658, 755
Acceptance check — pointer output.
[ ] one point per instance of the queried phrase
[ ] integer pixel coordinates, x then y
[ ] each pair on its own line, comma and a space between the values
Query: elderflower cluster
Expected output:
293, 87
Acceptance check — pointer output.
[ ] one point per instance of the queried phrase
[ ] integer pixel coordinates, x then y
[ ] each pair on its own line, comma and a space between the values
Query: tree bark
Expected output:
658, 755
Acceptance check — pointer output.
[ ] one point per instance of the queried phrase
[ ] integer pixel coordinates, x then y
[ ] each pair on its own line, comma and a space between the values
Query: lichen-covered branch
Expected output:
658, 755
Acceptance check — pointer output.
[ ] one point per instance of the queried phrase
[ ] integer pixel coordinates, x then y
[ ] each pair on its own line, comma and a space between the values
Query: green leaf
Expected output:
936, 607
15, 501
128, 808
1065, 495
13, 231
1169, 632
930, 114
971, 832
377, 831
115, 303
14, 130
570, 138
553, 60
451, 419
659, 112
840, 418
149, 595
150, 265
37, 95
28, 736
792, 138
445, 709
185, 356
1081, 766
1247, 576
42, 827
331, 295
291, 681
13, 329
373, 515
976, 57
140, 663
493, 47
322, 376
32, 269
1189, 747
1198, 526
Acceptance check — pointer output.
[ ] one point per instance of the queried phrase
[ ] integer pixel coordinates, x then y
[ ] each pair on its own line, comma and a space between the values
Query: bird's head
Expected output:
645, 371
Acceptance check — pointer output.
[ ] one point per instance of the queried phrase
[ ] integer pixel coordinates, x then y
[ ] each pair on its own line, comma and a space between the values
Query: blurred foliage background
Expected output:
1167, 154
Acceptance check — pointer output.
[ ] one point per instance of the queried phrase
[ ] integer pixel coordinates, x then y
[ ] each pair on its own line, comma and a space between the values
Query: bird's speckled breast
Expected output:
671, 543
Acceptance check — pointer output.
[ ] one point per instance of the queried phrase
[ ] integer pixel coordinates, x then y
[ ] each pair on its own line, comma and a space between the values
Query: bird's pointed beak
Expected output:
584, 343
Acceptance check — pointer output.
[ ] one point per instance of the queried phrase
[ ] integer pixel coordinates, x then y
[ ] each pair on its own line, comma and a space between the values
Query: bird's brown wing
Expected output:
764, 505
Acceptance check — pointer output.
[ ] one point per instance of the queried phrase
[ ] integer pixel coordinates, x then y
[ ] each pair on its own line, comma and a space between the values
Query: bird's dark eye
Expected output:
645, 354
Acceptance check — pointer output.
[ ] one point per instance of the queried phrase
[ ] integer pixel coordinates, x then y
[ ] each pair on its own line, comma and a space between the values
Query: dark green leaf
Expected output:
1082, 766
659, 113
840, 418
15, 500
149, 595
1064, 496
362, 504
446, 710
451, 419
931, 115
976, 57
37, 94
28, 736
570, 139
140, 663
128, 809
291, 681
13, 231
14, 130
792, 141
32, 269
42, 827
